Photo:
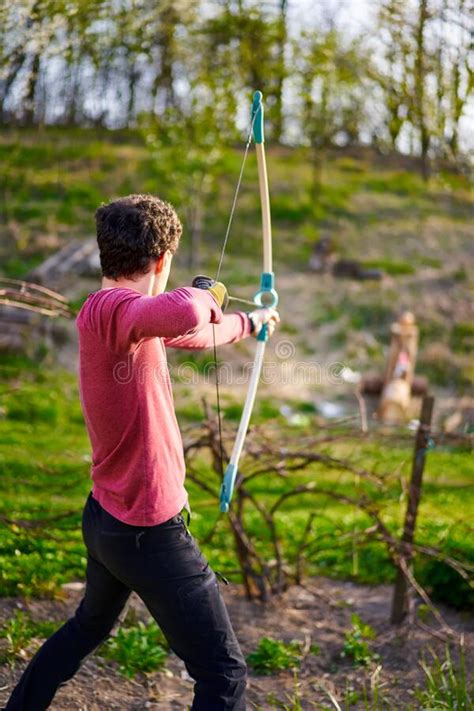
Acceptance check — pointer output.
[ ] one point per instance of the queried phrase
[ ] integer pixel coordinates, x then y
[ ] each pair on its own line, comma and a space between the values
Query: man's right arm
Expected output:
168, 315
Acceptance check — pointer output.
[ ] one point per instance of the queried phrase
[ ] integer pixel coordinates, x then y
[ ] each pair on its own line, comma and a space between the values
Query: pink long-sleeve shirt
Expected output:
138, 468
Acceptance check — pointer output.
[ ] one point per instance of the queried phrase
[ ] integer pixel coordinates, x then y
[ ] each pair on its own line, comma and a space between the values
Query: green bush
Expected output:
445, 584
141, 648
19, 632
274, 655
356, 645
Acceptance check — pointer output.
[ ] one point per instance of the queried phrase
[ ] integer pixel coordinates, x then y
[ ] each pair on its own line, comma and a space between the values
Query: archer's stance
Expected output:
134, 531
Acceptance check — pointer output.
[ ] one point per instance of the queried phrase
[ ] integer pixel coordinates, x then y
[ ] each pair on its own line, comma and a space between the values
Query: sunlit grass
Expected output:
45, 461
52, 182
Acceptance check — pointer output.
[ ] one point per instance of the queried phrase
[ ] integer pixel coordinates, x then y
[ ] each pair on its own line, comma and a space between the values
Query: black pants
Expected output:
165, 567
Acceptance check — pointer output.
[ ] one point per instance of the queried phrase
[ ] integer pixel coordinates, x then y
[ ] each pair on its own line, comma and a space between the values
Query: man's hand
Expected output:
216, 288
261, 316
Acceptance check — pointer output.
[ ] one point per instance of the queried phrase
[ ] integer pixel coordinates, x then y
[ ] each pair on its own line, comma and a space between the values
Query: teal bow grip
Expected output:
227, 488
257, 117
266, 297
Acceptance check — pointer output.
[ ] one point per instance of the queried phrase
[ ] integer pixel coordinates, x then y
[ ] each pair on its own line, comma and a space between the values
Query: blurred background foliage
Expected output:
106, 97
397, 78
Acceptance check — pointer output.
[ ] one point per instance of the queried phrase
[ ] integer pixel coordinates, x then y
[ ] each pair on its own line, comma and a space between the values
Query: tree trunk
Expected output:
132, 81
30, 96
277, 109
317, 161
195, 222
420, 78
17, 59
164, 81
16, 62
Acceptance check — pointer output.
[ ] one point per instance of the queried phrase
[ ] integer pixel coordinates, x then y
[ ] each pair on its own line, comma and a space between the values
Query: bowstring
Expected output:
218, 272
236, 195
218, 402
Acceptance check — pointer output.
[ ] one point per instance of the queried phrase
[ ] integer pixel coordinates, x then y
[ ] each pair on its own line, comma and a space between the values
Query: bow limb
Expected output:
266, 296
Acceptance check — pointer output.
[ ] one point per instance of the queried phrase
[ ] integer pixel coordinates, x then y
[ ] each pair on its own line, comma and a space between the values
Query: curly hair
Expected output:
134, 230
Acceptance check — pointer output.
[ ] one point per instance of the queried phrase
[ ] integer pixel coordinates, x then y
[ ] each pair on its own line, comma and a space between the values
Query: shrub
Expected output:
140, 648
273, 655
356, 646
19, 632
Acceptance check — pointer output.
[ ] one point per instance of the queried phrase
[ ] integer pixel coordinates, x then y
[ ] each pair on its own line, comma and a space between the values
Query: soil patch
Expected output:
317, 614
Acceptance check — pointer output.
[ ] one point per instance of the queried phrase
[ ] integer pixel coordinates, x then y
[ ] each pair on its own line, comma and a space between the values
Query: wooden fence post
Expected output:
400, 592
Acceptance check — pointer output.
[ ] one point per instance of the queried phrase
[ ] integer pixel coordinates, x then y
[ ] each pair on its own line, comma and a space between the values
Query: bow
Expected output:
265, 296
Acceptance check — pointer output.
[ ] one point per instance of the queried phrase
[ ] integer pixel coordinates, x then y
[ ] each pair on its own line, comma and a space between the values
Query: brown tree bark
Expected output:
29, 102
400, 602
277, 109
420, 78
17, 59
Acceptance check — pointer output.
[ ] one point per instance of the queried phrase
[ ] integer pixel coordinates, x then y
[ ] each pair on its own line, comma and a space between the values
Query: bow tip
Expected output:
257, 97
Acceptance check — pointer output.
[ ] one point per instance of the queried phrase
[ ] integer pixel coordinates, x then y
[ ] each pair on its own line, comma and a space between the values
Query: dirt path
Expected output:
318, 614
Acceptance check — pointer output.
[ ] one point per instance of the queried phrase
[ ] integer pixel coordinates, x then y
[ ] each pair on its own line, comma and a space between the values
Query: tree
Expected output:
331, 93
458, 40
246, 45
187, 147
18, 25
419, 111
281, 71
107, 62
424, 73
391, 74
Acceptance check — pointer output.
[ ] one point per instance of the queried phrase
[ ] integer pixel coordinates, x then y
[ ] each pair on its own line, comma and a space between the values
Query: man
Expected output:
134, 531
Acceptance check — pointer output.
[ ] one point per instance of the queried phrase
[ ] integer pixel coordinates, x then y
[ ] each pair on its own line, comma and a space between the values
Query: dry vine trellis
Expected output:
269, 453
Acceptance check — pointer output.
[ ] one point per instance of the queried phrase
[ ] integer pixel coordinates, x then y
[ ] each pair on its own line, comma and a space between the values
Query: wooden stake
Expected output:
400, 601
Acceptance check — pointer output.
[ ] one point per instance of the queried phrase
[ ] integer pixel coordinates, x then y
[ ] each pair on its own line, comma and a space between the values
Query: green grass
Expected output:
53, 181
291, 701
449, 682
135, 648
462, 337
371, 209
21, 633
45, 461
390, 266
398, 182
